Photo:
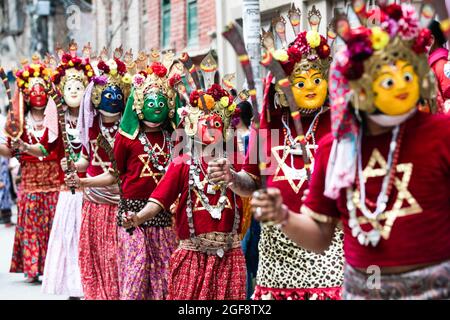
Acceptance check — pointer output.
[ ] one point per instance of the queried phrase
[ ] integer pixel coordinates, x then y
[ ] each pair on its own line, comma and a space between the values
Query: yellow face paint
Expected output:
396, 88
310, 89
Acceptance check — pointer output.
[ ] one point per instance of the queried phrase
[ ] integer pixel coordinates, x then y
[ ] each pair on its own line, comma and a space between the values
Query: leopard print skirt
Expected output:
284, 265
162, 219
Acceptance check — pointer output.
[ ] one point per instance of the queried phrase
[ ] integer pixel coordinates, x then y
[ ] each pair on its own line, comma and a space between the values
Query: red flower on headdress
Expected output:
323, 51
121, 67
353, 70
193, 98
103, 66
394, 11
176, 78
216, 91
66, 58
359, 45
422, 41
294, 53
159, 69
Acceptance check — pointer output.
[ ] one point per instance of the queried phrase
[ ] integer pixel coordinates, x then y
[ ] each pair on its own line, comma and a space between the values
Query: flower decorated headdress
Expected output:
112, 72
309, 50
150, 78
35, 73
109, 72
72, 67
211, 98
398, 35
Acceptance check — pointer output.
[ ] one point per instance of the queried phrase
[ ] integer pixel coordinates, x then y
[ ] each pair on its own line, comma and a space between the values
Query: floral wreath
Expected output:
32, 74
112, 73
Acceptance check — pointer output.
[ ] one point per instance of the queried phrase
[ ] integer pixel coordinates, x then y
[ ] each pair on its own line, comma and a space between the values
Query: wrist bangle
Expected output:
41, 147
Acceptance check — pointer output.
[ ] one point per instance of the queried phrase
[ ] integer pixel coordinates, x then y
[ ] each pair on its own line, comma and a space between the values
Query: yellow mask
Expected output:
396, 88
310, 89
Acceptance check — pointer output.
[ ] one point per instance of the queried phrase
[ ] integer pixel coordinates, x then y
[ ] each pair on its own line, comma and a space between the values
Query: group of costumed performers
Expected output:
208, 262
286, 271
39, 187
61, 138
142, 152
383, 171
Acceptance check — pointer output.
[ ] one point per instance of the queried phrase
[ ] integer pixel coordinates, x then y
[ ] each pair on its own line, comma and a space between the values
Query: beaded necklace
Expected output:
161, 166
373, 237
194, 169
73, 136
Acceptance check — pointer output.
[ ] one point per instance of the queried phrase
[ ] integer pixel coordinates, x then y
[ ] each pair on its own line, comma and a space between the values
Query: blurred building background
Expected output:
27, 26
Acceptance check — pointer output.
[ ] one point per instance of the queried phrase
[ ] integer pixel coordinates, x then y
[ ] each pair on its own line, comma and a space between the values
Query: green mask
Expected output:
156, 108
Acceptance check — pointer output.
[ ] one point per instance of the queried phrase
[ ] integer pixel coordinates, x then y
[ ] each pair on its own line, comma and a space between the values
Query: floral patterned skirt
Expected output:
143, 258
197, 276
98, 251
34, 222
36, 205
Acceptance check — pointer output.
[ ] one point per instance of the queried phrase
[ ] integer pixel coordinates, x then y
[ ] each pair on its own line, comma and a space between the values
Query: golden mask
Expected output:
396, 88
310, 89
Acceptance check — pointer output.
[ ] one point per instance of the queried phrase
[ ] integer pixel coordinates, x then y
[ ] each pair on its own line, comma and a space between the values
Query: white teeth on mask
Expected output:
391, 121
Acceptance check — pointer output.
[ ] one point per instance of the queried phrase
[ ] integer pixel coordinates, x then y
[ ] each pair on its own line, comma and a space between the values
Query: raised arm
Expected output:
104, 180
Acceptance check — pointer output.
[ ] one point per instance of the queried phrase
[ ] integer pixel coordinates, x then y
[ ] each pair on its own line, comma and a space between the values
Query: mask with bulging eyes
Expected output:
155, 109
210, 129
73, 93
38, 96
112, 101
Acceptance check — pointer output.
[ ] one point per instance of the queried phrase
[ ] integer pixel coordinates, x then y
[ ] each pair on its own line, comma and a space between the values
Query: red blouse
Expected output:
137, 173
421, 229
292, 187
24, 157
99, 161
174, 185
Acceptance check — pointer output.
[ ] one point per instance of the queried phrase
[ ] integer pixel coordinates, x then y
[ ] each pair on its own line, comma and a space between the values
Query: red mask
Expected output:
38, 96
210, 129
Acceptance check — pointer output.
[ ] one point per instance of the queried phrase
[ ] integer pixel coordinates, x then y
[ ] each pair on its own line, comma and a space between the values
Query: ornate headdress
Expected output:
112, 72
213, 99
72, 67
309, 50
35, 73
398, 35
150, 79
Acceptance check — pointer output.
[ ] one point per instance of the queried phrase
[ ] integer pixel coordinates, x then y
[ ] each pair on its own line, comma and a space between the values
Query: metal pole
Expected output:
251, 18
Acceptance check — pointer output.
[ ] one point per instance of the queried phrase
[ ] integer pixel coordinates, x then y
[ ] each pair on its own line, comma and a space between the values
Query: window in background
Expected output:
192, 23
165, 24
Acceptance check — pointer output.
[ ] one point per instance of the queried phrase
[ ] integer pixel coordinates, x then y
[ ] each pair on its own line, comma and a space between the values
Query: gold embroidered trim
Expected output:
318, 216
158, 203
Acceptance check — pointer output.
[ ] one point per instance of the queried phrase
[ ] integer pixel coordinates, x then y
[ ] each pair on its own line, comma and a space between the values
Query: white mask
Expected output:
73, 93
391, 121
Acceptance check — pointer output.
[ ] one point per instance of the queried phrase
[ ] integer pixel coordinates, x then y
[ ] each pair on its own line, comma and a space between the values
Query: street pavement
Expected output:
13, 285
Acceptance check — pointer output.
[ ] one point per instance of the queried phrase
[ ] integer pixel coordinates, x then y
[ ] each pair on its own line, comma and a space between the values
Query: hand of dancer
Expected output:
65, 167
267, 206
19, 144
2, 185
219, 171
131, 220
72, 180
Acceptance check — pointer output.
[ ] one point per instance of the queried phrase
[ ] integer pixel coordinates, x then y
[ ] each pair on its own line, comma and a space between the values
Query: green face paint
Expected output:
156, 108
